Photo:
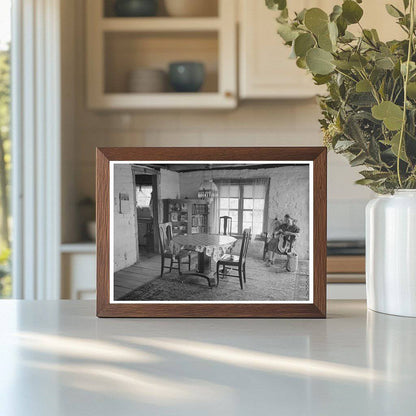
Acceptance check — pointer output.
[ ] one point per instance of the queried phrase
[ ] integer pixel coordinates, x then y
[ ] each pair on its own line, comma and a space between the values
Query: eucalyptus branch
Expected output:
392, 90
379, 121
398, 95
346, 75
406, 80
373, 89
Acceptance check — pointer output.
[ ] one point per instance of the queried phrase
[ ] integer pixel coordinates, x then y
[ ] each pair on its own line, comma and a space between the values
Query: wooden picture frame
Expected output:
317, 159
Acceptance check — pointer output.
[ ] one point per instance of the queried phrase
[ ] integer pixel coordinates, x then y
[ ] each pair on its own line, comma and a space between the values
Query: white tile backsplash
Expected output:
346, 219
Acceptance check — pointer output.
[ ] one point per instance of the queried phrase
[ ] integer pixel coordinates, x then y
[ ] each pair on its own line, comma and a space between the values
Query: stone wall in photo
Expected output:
288, 194
125, 238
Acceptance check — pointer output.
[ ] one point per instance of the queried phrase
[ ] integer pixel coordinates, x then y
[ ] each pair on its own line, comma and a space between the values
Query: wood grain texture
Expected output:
346, 264
317, 309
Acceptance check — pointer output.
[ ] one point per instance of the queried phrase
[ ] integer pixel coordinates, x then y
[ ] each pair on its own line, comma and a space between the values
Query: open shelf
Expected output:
165, 101
160, 24
116, 46
128, 51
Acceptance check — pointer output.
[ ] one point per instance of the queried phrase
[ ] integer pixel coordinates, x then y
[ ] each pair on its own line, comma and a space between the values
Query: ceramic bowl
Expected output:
147, 80
135, 8
186, 76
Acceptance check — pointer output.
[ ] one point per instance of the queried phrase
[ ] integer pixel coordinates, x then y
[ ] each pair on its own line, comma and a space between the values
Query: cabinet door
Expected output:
376, 17
116, 46
265, 68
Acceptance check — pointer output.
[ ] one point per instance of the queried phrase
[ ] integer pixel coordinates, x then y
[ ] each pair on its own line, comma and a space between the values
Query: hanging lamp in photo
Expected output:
208, 190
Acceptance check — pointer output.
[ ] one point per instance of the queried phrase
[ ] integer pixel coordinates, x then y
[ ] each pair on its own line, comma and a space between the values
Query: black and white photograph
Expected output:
211, 232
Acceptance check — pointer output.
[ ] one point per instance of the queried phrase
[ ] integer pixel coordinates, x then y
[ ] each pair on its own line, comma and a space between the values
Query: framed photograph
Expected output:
211, 232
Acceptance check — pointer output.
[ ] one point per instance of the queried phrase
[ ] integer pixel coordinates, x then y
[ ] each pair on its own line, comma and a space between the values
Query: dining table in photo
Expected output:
210, 247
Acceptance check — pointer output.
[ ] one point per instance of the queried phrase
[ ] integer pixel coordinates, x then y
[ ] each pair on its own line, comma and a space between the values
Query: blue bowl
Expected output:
186, 76
135, 8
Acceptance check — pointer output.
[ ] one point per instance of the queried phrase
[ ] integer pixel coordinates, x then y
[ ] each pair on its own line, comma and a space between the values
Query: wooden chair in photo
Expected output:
226, 223
231, 263
165, 237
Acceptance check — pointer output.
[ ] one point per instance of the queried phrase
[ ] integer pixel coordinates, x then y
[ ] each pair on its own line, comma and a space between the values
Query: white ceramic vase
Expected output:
391, 253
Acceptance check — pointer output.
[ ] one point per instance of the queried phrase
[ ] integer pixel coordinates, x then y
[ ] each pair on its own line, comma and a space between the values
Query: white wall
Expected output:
125, 243
288, 194
169, 184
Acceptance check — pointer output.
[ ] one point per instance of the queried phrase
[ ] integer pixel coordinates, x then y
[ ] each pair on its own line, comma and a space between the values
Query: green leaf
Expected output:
374, 150
385, 63
377, 75
341, 64
411, 90
361, 99
303, 43
348, 37
374, 175
412, 67
316, 20
342, 25
351, 11
354, 131
358, 160
375, 35
300, 17
394, 145
364, 181
391, 114
325, 42
286, 32
343, 145
319, 61
301, 63
406, 4
283, 17
333, 32
336, 12
358, 61
276, 4
368, 36
393, 11
363, 86
321, 79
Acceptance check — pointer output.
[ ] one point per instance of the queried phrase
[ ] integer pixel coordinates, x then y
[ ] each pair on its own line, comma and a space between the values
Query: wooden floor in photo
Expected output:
142, 281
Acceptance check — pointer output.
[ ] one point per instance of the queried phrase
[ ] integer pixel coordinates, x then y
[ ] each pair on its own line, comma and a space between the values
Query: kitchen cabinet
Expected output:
116, 46
78, 263
265, 70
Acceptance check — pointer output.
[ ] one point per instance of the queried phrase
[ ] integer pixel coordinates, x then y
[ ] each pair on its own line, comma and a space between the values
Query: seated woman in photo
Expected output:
282, 238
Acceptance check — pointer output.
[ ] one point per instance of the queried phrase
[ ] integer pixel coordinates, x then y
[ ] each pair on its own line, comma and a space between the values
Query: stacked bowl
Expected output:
147, 80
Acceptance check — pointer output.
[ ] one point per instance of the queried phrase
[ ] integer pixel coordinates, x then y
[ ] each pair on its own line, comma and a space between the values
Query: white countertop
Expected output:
56, 358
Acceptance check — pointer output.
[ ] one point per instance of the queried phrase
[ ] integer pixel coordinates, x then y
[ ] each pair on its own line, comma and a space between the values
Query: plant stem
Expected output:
406, 80
345, 75
373, 89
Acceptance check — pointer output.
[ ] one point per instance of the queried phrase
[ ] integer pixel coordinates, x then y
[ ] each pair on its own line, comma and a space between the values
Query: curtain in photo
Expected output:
214, 216
246, 202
